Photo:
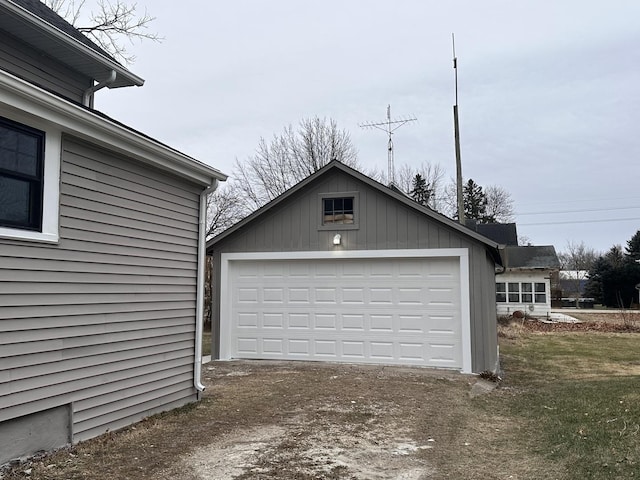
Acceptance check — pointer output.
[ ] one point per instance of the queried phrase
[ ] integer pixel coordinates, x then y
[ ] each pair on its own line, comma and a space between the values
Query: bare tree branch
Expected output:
290, 157
499, 204
109, 25
224, 209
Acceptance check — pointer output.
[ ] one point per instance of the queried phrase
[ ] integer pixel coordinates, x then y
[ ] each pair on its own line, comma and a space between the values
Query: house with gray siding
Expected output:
342, 268
101, 247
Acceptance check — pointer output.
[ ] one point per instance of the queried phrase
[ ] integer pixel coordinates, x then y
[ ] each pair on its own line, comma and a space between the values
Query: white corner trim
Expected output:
465, 312
88, 125
461, 253
51, 197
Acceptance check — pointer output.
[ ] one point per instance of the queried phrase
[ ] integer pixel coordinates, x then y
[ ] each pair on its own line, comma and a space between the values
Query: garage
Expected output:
364, 307
341, 268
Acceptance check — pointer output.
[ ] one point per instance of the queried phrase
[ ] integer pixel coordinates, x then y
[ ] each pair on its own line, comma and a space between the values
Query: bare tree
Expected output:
497, 202
499, 205
109, 24
524, 241
578, 259
432, 173
290, 157
224, 208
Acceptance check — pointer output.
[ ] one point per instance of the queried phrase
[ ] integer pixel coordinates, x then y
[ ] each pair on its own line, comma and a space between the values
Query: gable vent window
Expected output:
21, 176
338, 211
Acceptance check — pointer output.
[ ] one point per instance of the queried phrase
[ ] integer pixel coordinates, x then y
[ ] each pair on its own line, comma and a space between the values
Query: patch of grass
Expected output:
579, 400
206, 343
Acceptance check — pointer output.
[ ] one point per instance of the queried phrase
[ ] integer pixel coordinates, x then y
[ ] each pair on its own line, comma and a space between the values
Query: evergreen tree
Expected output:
633, 247
420, 190
474, 201
613, 277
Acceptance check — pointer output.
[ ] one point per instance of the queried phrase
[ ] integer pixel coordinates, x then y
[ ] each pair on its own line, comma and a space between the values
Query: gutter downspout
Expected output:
87, 96
202, 227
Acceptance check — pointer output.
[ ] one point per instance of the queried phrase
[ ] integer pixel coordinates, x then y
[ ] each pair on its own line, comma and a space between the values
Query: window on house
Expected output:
501, 292
514, 292
337, 211
541, 293
21, 176
527, 292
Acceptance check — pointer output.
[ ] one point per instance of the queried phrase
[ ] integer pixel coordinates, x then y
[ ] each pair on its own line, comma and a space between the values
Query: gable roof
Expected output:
501, 233
42, 28
401, 197
533, 257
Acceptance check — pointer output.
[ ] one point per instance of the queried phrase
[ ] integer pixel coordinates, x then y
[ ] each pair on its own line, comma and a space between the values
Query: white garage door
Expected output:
365, 310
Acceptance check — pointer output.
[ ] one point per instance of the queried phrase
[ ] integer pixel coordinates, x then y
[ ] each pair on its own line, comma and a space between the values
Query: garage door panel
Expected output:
299, 295
357, 310
381, 323
299, 321
324, 295
353, 322
326, 321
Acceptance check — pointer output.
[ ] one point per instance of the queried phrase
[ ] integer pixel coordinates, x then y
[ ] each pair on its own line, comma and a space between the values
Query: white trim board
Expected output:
461, 253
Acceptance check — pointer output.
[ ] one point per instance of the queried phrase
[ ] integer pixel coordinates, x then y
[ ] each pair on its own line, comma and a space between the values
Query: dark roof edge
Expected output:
374, 184
127, 78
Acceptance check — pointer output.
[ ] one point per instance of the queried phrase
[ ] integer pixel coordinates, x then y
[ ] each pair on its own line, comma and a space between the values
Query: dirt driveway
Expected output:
286, 420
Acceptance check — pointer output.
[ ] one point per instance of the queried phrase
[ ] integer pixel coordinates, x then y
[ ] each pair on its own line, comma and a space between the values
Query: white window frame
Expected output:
522, 292
49, 232
339, 226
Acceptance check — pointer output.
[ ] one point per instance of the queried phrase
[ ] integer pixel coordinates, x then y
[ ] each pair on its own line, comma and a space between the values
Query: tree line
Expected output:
296, 153
611, 278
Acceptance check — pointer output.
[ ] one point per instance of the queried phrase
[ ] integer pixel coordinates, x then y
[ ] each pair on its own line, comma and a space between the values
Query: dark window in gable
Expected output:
21, 176
337, 211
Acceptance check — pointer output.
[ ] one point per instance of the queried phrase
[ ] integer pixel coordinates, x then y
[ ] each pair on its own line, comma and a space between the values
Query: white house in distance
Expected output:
524, 282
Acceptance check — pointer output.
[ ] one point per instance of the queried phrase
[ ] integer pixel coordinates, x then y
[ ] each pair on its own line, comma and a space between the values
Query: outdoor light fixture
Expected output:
337, 239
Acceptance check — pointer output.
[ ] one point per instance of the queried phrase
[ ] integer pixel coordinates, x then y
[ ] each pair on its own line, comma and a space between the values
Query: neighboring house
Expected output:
101, 247
524, 282
342, 268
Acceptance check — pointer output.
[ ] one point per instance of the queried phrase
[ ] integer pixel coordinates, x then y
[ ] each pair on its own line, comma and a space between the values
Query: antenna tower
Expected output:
456, 136
389, 127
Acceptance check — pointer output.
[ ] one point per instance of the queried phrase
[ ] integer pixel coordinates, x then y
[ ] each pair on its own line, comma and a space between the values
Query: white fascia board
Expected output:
85, 124
397, 253
73, 43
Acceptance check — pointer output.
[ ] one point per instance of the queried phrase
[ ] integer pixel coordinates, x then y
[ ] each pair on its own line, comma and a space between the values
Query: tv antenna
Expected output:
389, 127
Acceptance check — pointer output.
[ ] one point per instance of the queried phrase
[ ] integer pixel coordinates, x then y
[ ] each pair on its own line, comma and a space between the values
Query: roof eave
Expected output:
88, 125
124, 78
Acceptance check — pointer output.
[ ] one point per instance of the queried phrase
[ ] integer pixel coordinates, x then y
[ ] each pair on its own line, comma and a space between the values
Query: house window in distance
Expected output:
514, 292
337, 211
501, 292
541, 293
21, 176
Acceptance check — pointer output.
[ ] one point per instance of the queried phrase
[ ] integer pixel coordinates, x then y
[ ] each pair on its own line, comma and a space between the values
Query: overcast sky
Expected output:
549, 93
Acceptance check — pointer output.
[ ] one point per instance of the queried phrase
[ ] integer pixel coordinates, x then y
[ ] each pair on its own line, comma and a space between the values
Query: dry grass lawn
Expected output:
568, 406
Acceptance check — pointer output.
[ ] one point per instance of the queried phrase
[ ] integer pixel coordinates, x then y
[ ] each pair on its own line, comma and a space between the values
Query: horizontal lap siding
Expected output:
31, 65
105, 319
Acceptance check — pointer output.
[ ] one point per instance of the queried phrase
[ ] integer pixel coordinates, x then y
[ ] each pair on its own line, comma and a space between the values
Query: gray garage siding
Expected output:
386, 223
104, 320
31, 65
